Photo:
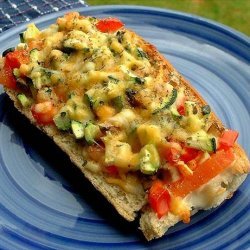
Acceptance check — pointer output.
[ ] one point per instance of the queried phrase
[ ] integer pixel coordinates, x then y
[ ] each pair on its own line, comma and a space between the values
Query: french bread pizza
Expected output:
138, 131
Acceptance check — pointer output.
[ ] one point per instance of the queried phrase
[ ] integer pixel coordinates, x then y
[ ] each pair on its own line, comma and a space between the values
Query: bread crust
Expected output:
128, 204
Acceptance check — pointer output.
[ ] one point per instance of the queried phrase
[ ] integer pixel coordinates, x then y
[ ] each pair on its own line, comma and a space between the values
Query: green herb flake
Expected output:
141, 53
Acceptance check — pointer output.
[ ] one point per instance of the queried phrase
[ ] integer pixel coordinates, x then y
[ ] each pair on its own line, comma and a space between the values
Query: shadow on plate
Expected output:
69, 175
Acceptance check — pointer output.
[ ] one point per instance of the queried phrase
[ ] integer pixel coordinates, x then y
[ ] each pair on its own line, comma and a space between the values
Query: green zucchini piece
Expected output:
149, 159
118, 103
190, 108
77, 129
24, 100
206, 110
44, 78
138, 80
62, 120
175, 114
95, 98
113, 79
202, 142
91, 132
167, 102
34, 55
141, 53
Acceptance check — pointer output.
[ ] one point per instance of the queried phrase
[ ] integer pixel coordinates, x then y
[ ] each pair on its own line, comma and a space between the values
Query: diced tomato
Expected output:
7, 78
170, 151
181, 110
189, 154
181, 105
109, 25
228, 139
12, 60
159, 198
44, 112
172, 155
203, 172
111, 170
16, 58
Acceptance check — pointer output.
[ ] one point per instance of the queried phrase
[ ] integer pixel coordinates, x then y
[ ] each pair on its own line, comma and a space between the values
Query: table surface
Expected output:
14, 12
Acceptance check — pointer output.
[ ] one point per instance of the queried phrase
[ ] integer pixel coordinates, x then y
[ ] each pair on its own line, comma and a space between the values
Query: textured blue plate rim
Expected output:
192, 17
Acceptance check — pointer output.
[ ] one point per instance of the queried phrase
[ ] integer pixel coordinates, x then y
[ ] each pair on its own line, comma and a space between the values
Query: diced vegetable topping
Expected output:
228, 139
24, 100
99, 83
159, 198
44, 112
109, 25
204, 172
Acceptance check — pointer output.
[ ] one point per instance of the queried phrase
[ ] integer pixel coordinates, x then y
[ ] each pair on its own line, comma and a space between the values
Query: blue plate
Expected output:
45, 203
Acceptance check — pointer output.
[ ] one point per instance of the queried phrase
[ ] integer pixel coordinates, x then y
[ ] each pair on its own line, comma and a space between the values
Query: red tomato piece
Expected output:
228, 139
189, 154
159, 198
109, 25
181, 110
171, 154
7, 78
203, 172
12, 60
181, 105
44, 112
16, 58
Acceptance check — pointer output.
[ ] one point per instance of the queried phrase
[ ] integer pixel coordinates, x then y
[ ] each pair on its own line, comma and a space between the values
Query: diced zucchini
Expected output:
167, 102
190, 108
149, 159
118, 103
138, 80
141, 54
202, 141
176, 115
77, 129
31, 32
34, 55
206, 110
62, 120
131, 76
24, 100
72, 44
92, 132
95, 98
45, 77
113, 79
88, 100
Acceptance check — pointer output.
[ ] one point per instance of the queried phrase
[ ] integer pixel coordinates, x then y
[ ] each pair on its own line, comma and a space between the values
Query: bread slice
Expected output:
127, 204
